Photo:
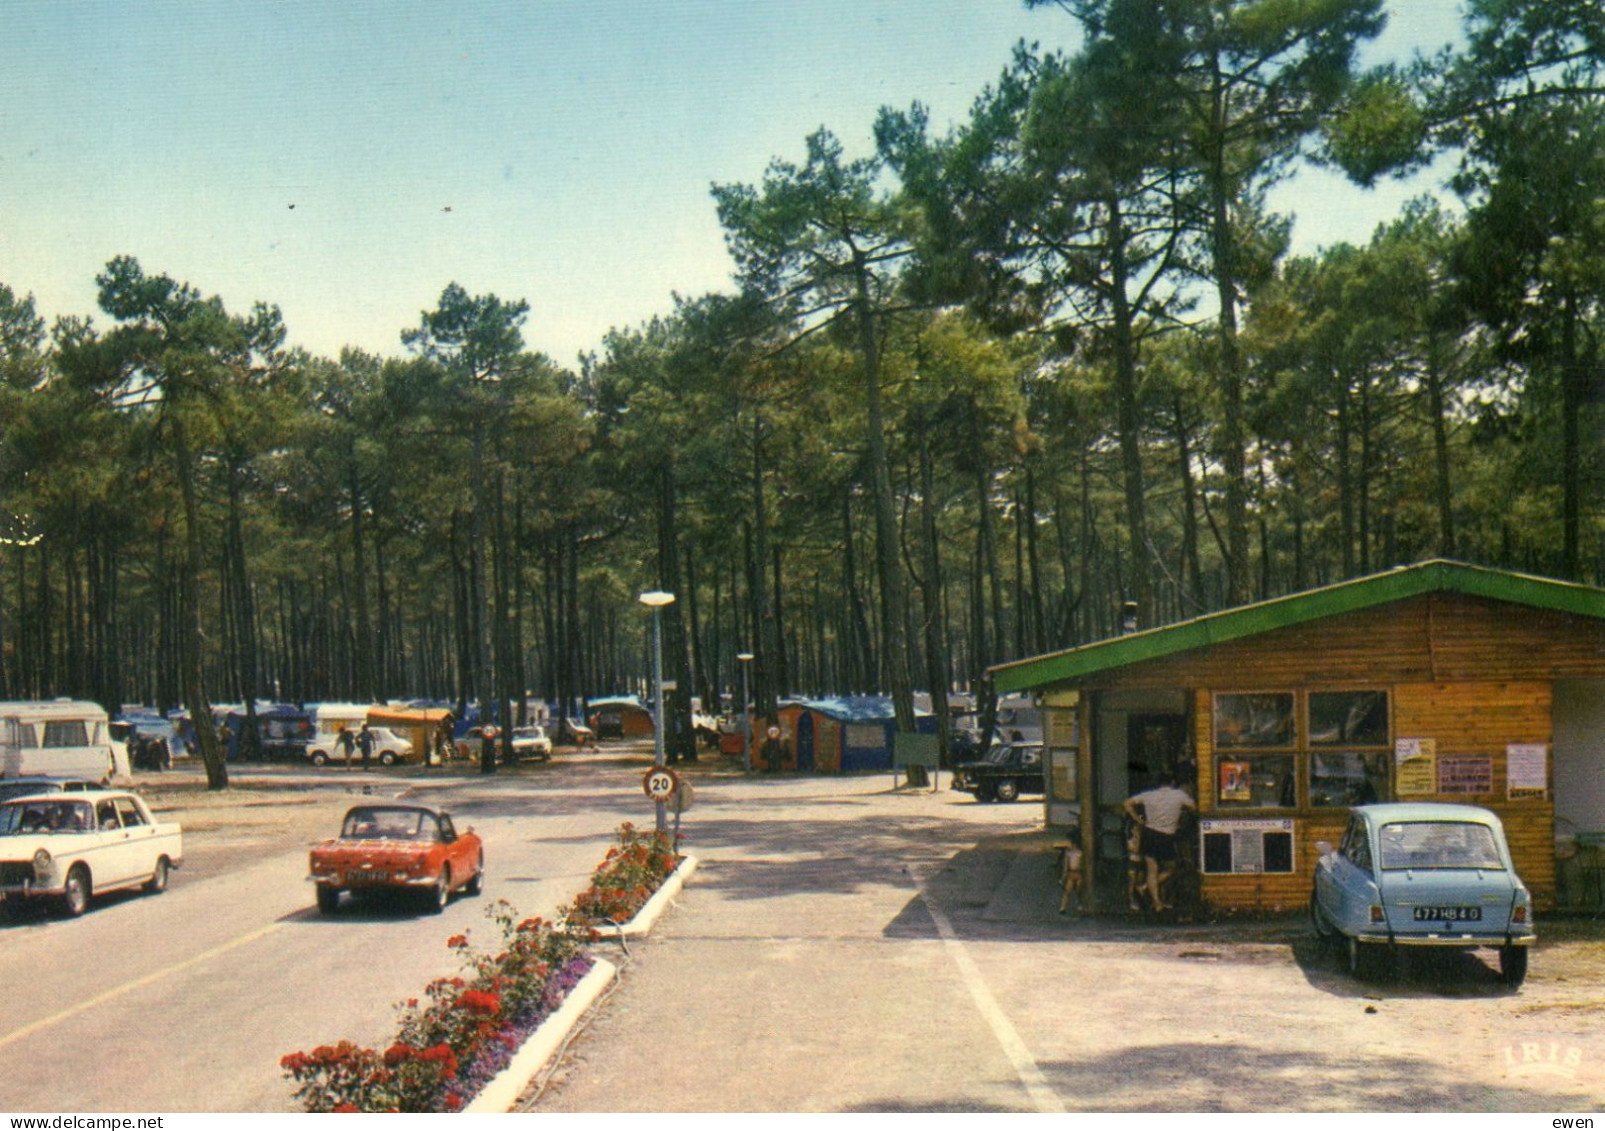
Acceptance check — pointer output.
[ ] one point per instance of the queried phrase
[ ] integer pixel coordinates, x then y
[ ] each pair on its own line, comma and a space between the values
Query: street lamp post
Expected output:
656, 600
746, 715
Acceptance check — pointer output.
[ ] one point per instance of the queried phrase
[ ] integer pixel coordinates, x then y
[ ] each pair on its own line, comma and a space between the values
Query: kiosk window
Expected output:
1256, 781
1347, 778
1348, 718
1255, 720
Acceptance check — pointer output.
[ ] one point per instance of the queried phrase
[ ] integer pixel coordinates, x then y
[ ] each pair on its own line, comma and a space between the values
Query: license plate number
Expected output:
1449, 914
368, 877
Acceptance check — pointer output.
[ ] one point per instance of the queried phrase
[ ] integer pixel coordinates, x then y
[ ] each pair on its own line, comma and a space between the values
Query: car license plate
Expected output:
1449, 914
368, 877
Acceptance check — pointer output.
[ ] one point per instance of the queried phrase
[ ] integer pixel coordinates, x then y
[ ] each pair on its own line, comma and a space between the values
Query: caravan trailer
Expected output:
60, 738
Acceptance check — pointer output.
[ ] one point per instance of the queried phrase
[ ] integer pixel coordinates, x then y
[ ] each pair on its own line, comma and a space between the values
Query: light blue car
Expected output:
1422, 874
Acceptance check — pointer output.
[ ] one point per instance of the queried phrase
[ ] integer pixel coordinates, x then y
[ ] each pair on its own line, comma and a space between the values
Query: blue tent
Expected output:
845, 733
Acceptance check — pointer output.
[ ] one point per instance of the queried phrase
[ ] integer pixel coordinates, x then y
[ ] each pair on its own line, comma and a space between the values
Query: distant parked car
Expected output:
388, 748
572, 730
1422, 874
396, 847
72, 846
1008, 771
531, 744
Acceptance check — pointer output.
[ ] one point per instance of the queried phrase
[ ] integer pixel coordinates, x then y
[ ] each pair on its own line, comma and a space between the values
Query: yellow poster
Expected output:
1416, 766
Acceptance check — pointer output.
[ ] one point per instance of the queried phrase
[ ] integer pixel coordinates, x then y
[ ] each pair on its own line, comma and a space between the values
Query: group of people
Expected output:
150, 753
363, 740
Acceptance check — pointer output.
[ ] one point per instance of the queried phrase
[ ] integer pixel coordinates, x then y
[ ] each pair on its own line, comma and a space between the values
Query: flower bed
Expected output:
629, 874
467, 1028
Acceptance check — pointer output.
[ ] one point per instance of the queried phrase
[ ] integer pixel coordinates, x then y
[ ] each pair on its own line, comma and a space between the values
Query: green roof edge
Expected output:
1436, 576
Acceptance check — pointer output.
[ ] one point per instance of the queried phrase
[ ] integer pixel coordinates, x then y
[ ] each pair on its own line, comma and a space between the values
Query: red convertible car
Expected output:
398, 847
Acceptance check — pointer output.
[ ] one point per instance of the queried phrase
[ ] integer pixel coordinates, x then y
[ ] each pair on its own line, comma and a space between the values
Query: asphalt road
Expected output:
184, 1002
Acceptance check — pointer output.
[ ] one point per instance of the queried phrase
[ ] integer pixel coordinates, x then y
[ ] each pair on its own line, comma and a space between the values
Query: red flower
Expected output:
442, 1055
478, 1001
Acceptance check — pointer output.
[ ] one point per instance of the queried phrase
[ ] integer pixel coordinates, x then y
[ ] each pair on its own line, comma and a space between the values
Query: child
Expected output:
1136, 867
1070, 873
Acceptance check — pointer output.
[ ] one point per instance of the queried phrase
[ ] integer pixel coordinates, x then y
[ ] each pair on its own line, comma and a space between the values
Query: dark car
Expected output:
1008, 770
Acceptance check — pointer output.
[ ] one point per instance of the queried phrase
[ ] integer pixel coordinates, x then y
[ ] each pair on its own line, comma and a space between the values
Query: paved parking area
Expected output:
849, 947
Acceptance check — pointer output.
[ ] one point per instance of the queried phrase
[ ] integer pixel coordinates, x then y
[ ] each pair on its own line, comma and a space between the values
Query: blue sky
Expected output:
348, 160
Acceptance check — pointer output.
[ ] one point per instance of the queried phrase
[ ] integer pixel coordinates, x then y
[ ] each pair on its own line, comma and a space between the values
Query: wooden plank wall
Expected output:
1462, 718
1473, 675
1484, 718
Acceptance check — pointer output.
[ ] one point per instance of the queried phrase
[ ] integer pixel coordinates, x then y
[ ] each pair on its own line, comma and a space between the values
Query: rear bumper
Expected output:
356, 882
1447, 939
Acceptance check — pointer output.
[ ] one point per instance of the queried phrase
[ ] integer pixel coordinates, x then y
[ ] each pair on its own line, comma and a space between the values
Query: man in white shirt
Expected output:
1158, 813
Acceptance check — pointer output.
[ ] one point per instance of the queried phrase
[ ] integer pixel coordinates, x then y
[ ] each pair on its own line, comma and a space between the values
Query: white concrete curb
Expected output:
644, 918
503, 1091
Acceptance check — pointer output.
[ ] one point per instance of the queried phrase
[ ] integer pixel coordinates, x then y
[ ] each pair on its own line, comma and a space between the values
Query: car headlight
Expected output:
44, 866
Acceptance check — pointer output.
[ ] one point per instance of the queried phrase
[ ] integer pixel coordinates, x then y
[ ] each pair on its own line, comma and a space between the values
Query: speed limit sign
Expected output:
660, 783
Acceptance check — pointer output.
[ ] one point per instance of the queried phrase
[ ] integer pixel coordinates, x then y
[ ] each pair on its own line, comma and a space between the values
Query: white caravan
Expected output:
60, 738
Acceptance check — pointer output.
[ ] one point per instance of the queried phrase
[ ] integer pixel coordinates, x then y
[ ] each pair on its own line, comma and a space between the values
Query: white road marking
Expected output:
129, 987
1043, 1097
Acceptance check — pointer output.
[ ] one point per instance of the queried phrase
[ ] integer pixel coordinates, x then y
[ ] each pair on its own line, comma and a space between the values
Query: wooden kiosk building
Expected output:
1438, 681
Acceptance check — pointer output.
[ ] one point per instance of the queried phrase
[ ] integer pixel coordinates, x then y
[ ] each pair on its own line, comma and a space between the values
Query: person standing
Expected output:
773, 752
344, 743
365, 744
1157, 813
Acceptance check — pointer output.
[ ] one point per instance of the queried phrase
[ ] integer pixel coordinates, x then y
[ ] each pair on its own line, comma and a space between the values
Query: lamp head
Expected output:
744, 657
656, 599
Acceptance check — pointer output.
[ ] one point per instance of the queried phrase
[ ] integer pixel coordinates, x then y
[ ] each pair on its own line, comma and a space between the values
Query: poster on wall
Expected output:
1466, 774
1236, 783
1416, 766
1526, 769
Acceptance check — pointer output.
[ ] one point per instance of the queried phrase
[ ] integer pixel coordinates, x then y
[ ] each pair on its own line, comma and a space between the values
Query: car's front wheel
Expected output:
158, 879
477, 884
1008, 791
1513, 965
328, 899
75, 895
388, 758
319, 758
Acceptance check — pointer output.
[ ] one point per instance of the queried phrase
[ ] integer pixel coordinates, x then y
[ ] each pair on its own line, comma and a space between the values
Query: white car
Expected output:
388, 748
531, 743
73, 846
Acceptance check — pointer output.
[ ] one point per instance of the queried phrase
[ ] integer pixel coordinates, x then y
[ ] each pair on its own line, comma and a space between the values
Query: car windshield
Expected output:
1439, 844
20, 818
388, 824
1000, 754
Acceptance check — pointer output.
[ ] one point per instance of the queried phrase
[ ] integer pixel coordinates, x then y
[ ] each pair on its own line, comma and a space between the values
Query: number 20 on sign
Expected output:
659, 783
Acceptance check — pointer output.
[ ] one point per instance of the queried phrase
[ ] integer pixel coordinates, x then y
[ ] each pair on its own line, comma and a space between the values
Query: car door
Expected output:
1356, 877
1029, 773
457, 852
112, 862
1344, 880
143, 843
